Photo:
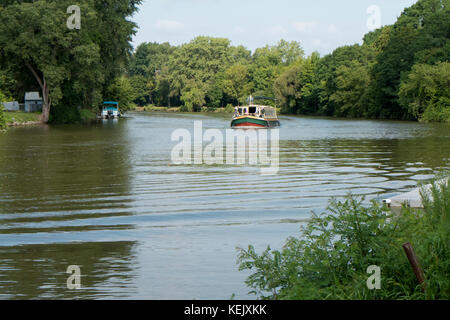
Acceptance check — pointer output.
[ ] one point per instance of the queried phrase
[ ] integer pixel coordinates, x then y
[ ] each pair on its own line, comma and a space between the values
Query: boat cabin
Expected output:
265, 112
110, 110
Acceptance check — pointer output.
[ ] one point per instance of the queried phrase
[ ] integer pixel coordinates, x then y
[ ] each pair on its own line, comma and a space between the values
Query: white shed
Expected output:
11, 106
33, 102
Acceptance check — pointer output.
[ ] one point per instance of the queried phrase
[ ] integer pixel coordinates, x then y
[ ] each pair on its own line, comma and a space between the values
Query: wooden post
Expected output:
414, 264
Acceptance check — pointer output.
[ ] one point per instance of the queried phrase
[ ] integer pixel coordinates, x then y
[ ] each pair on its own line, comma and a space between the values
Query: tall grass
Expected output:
330, 259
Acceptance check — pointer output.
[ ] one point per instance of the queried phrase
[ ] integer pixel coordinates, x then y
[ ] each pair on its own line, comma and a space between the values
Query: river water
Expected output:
107, 198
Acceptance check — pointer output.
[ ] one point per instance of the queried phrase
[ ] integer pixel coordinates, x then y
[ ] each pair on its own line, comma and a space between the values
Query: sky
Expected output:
319, 25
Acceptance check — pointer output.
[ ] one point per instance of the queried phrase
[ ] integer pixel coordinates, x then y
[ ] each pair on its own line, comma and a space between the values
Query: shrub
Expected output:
229, 108
2, 118
87, 115
2, 115
330, 260
426, 92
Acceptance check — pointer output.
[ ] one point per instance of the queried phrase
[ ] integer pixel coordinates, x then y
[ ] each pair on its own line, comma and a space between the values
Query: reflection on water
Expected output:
106, 196
39, 271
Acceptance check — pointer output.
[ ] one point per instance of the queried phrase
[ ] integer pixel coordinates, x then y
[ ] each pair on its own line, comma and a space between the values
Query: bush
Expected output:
64, 114
426, 92
2, 118
87, 115
330, 260
229, 108
2, 114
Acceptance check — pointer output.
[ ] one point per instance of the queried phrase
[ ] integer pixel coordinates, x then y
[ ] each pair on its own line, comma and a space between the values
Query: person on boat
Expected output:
236, 112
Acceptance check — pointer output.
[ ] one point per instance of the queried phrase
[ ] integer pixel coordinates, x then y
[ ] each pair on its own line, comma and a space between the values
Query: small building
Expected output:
33, 102
11, 106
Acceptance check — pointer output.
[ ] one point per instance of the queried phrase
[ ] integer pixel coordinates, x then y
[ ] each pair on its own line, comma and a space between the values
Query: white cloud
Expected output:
304, 26
169, 25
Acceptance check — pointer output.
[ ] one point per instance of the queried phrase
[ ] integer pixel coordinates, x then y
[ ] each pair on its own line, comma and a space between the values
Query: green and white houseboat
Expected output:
255, 116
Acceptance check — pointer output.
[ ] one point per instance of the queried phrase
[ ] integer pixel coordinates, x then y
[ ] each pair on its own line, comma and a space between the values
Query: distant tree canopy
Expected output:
76, 69
72, 68
373, 80
209, 71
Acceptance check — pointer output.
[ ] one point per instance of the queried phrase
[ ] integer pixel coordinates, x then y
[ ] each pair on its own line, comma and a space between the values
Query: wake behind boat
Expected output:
255, 116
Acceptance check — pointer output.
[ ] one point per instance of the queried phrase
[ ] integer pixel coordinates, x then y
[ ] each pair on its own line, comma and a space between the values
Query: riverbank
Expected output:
180, 109
18, 118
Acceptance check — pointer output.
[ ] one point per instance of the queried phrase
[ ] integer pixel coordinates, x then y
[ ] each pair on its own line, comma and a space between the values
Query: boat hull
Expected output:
252, 122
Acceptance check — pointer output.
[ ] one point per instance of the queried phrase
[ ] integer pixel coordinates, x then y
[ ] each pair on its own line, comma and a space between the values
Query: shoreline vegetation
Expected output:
14, 119
331, 258
398, 72
151, 108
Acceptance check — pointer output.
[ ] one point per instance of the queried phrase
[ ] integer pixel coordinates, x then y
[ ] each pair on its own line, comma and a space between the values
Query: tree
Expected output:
420, 33
122, 91
327, 72
426, 92
351, 96
71, 67
140, 86
39, 44
236, 83
297, 87
193, 96
378, 39
290, 52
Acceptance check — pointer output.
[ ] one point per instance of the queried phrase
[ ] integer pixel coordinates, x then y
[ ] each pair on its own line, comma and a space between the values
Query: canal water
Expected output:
107, 198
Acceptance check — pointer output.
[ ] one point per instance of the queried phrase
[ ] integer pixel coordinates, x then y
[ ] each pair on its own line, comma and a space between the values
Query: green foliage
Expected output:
141, 88
352, 83
73, 68
334, 66
420, 35
122, 91
330, 259
426, 92
193, 97
229, 108
236, 82
79, 69
297, 87
2, 116
87, 115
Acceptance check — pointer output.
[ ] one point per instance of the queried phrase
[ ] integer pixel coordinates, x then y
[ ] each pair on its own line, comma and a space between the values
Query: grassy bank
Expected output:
331, 258
21, 118
156, 109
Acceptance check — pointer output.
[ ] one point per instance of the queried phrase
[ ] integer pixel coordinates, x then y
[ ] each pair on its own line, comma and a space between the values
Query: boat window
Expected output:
270, 113
252, 110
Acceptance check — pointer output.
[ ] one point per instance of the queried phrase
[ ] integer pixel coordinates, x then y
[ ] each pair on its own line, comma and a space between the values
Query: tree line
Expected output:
400, 71
74, 69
